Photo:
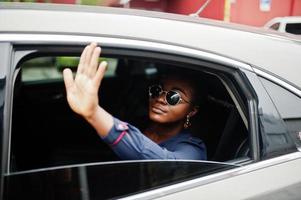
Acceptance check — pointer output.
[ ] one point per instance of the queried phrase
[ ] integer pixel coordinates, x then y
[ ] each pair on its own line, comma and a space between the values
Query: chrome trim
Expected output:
280, 82
120, 42
115, 163
214, 177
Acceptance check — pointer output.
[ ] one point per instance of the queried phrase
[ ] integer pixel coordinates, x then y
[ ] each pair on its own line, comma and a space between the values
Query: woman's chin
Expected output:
156, 118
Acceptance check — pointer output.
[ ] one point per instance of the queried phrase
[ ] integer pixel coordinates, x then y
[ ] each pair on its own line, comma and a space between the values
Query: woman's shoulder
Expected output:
187, 136
192, 142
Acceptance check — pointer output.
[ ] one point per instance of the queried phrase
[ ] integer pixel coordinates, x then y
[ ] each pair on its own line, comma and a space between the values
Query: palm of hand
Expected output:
82, 92
83, 95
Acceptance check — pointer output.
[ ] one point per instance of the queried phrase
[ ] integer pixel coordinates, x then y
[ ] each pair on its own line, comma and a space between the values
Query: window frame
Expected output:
218, 70
216, 63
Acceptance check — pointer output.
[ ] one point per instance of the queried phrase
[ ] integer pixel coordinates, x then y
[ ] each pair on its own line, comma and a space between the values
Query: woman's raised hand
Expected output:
82, 91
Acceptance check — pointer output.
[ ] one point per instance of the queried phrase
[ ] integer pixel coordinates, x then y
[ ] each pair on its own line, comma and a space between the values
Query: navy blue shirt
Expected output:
130, 144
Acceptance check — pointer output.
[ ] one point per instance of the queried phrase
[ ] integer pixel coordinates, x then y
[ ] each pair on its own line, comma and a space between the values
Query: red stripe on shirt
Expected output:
119, 138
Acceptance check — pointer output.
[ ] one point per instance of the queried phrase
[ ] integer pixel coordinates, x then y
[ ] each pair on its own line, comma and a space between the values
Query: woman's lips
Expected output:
158, 110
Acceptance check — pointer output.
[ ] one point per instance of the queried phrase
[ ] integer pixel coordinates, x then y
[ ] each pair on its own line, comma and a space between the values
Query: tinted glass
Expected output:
288, 104
289, 107
104, 181
172, 97
294, 28
274, 134
155, 90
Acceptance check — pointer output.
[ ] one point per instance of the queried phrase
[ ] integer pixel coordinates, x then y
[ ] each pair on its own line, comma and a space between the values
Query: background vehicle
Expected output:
285, 24
250, 122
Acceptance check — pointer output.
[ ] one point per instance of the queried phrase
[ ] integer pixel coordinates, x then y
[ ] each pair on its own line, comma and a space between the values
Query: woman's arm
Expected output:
130, 144
82, 91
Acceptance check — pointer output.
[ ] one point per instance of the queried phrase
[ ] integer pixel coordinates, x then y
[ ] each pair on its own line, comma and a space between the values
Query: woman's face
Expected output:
160, 111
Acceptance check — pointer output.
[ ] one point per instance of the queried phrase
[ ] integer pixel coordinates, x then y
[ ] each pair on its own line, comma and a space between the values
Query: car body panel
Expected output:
264, 182
197, 34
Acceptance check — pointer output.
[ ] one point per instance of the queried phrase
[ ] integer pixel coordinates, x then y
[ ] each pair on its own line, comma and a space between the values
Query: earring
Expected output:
187, 124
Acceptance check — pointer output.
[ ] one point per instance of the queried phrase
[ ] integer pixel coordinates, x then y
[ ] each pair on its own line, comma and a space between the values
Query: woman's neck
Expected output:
160, 132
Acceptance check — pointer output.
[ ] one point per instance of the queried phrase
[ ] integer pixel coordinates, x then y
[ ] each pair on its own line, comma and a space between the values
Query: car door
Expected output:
265, 156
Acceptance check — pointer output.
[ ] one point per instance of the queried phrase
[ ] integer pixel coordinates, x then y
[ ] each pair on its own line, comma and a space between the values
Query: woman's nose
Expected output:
161, 98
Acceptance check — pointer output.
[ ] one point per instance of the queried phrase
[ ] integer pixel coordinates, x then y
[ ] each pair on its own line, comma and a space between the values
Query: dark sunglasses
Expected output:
172, 97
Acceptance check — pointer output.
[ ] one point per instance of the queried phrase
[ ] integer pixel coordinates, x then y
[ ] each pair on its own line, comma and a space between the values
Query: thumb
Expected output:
100, 72
68, 78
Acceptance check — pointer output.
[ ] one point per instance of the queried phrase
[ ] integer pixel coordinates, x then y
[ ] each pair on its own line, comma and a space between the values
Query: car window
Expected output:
46, 135
273, 132
55, 136
105, 181
289, 107
275, 26
294, 28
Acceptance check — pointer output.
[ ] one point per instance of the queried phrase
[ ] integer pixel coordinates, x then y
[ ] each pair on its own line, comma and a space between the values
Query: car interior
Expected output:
46, 133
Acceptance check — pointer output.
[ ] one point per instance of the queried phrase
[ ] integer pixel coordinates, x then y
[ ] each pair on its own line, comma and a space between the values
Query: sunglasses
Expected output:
172, 97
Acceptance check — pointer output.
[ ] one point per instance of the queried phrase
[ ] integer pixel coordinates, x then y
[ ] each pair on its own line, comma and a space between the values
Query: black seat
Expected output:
233, 140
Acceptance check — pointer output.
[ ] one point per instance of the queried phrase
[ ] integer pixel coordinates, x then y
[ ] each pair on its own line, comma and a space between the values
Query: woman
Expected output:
170, 110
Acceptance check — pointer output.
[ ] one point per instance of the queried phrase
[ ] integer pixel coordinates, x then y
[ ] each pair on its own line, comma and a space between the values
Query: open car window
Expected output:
55, 136
49, 142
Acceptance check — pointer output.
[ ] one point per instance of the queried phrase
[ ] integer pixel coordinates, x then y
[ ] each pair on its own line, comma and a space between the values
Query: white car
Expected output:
285, 24
250, 121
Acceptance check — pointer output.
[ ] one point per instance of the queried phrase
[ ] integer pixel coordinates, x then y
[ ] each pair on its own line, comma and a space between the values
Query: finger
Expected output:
68, 79
94, 62
82, 60
87, 58
100, 73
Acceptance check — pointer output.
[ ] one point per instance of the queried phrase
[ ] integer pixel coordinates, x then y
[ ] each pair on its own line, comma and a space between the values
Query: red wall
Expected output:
296, 10
159, 5
214, 10
248, 12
